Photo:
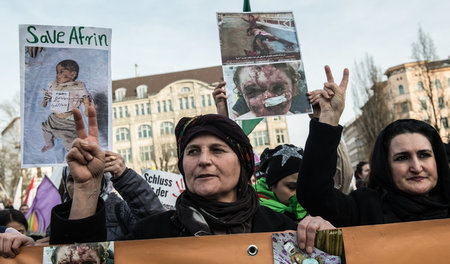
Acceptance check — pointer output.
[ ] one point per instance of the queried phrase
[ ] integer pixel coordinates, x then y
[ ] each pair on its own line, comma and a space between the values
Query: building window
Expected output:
444, 122
141, 91
164, 106
148, 108
404, 107
437, 84
168, 150
279, 134
136, 107
209, 100
122, 134
166, 128
185, 90
126, 154
420, 86
441, 102
159, 106
120, 94
170, 105
142, 109
114, 113
401, 89
203, 101
423, 104
126, 112
192, 102
186, 102
180, 100
145, 131
275, 118
120, 112
260, 138
146, 153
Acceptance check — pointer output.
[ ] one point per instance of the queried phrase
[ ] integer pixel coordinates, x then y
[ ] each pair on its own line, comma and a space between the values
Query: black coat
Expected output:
160, 225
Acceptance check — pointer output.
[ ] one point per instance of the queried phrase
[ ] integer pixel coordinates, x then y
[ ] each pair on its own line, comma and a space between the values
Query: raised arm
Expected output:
86, 163
315, 185
132, 187
219, 95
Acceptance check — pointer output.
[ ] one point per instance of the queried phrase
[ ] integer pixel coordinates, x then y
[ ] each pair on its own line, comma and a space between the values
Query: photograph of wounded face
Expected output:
89, 253
266, 90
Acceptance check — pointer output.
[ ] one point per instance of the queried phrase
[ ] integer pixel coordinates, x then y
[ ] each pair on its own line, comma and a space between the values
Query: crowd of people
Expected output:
407, 179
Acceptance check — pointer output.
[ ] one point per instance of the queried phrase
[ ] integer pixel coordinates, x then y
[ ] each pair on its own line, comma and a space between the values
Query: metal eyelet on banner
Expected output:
252, 250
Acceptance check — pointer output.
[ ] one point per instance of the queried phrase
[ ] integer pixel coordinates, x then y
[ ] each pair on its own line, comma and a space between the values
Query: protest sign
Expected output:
167, 186
262, 65
62, 67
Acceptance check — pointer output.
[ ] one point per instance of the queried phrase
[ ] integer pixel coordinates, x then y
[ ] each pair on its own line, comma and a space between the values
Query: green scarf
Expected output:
267, 198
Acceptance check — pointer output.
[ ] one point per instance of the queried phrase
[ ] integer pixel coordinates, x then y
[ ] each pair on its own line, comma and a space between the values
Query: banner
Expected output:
411, 242
167, 186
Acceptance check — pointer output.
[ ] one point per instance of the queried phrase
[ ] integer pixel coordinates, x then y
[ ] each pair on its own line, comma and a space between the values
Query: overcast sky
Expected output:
173, 35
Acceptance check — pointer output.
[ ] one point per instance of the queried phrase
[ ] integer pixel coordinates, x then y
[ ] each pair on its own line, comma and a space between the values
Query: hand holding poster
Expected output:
62, 68
167, 186
262, 65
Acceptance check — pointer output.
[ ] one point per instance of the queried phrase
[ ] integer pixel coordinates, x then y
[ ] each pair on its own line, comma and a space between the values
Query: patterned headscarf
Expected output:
220, 126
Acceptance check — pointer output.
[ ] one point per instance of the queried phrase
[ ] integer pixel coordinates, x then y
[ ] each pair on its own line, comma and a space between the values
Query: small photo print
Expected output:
257, 37
264, 90
88, 253
286, 251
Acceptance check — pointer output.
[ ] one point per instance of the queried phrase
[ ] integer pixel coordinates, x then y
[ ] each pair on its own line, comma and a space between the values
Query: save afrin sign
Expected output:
167, 186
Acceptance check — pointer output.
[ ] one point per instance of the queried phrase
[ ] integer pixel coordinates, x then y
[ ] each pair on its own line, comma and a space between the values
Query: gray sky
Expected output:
173, 35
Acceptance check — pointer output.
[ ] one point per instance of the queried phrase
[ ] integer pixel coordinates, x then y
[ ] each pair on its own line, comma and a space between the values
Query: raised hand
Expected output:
114, 163
219, 95
331, 99
86, 163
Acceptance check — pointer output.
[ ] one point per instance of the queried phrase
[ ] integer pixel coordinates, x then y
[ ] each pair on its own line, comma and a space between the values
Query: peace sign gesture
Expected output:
331, 99
86, 163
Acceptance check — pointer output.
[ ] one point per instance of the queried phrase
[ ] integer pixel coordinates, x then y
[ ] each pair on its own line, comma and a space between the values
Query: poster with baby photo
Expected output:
101, 253
257, 37
328, 248
62, 68
264, 90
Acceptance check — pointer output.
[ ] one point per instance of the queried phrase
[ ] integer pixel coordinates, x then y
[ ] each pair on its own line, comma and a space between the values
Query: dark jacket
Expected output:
315, 184
117, 216
138, 194
161, 226
157, 226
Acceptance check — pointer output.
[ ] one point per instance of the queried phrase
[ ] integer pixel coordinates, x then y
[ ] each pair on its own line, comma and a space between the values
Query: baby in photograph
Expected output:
64, 94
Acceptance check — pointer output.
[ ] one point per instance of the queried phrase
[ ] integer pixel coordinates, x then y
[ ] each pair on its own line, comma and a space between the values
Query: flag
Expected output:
28, 198
18, 196
47, 196
249, 125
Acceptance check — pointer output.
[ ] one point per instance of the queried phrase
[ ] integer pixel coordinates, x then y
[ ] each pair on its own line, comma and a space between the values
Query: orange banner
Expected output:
413, 242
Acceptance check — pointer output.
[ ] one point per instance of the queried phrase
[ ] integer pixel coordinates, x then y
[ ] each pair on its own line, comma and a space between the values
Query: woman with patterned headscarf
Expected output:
216, 161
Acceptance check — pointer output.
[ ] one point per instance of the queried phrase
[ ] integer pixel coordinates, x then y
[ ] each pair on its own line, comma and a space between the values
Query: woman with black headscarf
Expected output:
409, 177
216, 161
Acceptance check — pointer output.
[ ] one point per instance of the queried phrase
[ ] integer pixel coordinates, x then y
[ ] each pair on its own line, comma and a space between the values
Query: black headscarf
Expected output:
399, 206
196, 215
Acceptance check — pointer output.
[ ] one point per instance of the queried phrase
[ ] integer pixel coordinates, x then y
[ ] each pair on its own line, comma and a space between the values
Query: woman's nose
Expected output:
415, 165
205, 158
